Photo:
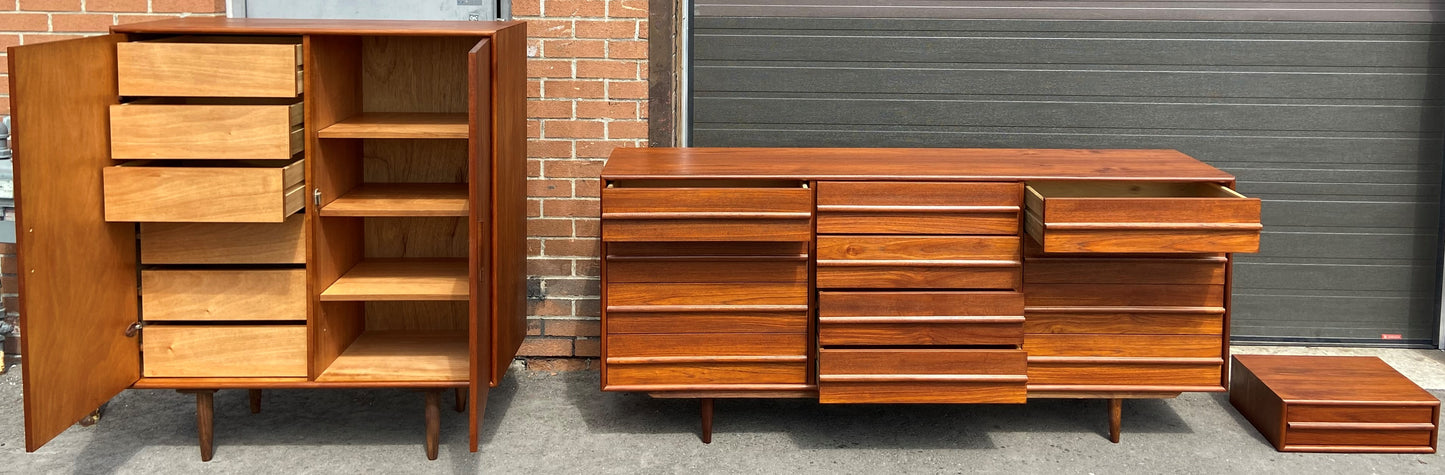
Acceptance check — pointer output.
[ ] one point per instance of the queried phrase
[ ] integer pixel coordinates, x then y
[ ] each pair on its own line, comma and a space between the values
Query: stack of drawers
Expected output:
919, 296
706, 286
213, 129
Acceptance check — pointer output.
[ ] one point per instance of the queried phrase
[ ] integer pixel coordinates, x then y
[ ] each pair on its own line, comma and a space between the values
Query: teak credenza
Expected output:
917, 275
211, 203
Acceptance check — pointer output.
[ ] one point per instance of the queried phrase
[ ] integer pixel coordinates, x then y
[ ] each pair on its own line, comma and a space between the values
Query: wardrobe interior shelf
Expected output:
398, 125
402, 356
401, 200
401, 279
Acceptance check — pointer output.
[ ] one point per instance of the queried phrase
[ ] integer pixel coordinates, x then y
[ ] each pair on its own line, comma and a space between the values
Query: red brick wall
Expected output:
587, 95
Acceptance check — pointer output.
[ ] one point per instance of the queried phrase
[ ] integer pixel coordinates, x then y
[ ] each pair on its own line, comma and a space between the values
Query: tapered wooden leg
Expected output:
461, 395
255, 401
433, 422
1116, 409
205, 417
707, 420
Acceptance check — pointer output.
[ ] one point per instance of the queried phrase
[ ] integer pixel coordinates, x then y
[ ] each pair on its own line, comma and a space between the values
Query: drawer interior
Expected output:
1042, 190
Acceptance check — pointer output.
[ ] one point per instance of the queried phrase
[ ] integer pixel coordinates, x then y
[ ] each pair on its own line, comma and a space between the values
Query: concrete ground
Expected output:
541, 423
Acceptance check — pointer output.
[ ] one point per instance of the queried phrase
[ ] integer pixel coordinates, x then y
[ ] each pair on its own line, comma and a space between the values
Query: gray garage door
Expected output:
1336, 124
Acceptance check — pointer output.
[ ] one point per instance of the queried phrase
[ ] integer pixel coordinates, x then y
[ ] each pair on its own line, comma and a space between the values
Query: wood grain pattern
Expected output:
402, 356
706, 344
210, 295
959, 262
1124, 271
905, 331
920, 376
264, 192
1124, 373
76, 354
917, 194
224, 351
726, 294
1298, 378
701, 269
194, 131
283, 383
398, 125
898, 222
508, 224
797, 229
706, 322
723, 202
918, 277
433, 237
278, 26
224, 243
158, 68
401, 279
1060, 344
1141, 217
1358, 413
1126, 323
940, 392
1069, 295
684, 374
443, 315
400, 200
1003, 249
864, 304
706, 214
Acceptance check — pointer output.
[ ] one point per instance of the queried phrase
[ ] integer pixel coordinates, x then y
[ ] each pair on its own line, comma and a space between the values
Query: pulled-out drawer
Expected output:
920, 318
918, 208
1141, 217
224, 351
921, 376
272, 294
919, 262
707, 214
157, 129
210, 67
224, 243
204, 191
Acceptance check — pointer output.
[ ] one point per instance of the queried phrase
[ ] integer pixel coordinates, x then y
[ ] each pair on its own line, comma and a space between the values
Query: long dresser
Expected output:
213, 204
917, 275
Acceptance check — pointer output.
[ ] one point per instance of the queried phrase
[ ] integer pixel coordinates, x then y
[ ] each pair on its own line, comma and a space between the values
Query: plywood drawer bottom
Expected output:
224, 351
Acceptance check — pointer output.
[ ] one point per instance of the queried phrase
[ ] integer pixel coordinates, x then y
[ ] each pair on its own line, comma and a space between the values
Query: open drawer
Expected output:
1137, 217
205, 129
259, 191
210, 67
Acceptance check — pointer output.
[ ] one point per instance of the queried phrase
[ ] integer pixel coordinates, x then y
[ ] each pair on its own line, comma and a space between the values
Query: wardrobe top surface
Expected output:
956, 164
282, 26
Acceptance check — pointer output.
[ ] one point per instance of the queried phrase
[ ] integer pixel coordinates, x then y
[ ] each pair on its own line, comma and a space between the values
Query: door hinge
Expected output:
316, 197
134, 329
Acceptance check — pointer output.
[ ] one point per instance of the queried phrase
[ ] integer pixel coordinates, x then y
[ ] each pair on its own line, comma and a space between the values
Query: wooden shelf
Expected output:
402, 356
401, 279
398, 125
401, 200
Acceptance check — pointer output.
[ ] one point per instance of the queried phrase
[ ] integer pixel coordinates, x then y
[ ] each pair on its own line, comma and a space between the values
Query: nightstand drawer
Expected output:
707, 214
921, 376
157, 130
1141, 217
210, 295
919, 262
920, 318
190, 67
224, 351
918, 208
224, 243
204, 191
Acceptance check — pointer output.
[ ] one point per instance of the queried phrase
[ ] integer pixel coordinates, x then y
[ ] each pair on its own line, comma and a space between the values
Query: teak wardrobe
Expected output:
211, 203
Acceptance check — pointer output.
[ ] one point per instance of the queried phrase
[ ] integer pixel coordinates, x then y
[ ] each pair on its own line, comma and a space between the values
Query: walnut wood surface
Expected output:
1130, 217
916, 195
920, 376
398, 125
433, 422
224, 243
1004, 249
205, 421
400, 200
220, 295
703, 269
713, 321
221, 351
265, 192
706, 344
710, 294
919, 303
277, 26
158, 68
194, 131
920, 318
1124, 373
402, 356
1044, 270
1304, 379
696, 374
706, 214
1142, 322
76, 353
1056, 295
913, 222
968, 262
283, 383
1059, 344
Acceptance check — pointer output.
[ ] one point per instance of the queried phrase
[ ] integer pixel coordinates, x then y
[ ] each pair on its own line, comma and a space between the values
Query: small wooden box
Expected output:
1334, 404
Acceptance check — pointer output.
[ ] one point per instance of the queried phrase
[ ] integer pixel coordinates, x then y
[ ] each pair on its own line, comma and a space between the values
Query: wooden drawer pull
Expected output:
707, 359
923, 378
920, 319
917, 263
706, 215
1125, 360
918, 209
1127, 309
1392, 426
704, 308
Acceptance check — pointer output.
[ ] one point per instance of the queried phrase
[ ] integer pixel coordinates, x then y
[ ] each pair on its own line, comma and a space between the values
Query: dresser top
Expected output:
281, 26
970, 164
1340, 379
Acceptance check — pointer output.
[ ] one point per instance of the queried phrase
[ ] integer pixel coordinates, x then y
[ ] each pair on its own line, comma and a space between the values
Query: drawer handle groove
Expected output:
1158, 226
919, 319
1126, 309
1124, 359
706, 215
1389, 426
704, 308
790, 257
917, 263
923, 378
917, 209
706, 359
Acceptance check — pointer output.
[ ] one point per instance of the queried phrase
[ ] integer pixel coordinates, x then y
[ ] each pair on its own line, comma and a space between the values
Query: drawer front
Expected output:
918, 277
159, 68
1189, 376
702, 269
224, 351
223, 294
918, 208
224, 243
1202, 271
1367, 435
675, 321
733, 297
1141, 217
919, 222
262, 193
960, 262
921, 376
682, 373
920, 318
195, 131
1174, 346
1197, 297
918, 194
1125, 323
707, 214
706, 344
1360, 413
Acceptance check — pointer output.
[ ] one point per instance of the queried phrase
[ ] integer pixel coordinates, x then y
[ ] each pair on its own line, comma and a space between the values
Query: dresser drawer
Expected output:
192, 67
1125, 297
706, 344
224, 243
1105, 320
142, 130
224, 351
918, 208
957, 262
203, 191
663, 269
223, 294
921, 376
1167, 346
709, 373
1185, 374
706, 320
920, 318
1089, 270
754, 296
707, 214
1141, 217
